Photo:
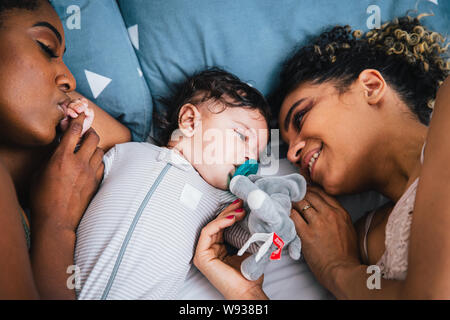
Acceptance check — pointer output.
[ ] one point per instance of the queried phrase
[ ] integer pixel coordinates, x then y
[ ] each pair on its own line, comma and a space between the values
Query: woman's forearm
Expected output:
52, 254
231, 290
356, 282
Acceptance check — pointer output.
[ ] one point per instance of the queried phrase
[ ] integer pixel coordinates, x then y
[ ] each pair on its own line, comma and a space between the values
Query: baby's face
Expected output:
225, 140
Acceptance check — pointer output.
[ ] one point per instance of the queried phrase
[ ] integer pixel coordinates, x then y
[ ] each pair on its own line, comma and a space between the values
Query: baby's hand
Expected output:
76, 107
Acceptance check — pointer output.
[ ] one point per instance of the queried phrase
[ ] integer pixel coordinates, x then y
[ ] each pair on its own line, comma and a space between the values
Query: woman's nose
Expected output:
66, 81
293, 154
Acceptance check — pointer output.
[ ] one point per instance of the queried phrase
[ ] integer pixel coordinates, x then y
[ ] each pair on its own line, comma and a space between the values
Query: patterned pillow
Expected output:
101, 57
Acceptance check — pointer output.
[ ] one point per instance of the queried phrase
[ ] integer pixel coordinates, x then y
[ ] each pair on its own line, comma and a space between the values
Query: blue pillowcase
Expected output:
101, 57
249, 38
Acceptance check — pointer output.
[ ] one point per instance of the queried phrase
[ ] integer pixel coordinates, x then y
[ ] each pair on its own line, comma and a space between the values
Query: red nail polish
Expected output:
239, 210
230, 217
235, 201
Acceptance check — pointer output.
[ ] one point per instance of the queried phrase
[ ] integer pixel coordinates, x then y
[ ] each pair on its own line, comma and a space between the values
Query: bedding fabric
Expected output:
101, 58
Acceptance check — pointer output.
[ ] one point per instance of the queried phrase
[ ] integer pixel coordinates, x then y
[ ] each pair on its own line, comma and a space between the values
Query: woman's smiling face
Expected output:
330, 135
35, 81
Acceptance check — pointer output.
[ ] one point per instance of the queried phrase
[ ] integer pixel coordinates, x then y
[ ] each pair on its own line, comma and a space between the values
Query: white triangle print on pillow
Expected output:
434, 1
97, 82
134, 35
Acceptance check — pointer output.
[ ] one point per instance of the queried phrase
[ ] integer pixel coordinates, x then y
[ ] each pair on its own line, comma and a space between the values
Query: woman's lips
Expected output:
313, 168
63, 106
307, 159
64, 113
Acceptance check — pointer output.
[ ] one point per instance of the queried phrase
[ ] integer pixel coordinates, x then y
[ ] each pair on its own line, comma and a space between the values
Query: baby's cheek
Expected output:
235, 152
219, 177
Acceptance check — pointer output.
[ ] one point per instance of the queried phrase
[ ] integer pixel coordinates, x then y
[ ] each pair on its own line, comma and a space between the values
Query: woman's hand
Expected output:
58, 201
221, 270
70, 179
329, 240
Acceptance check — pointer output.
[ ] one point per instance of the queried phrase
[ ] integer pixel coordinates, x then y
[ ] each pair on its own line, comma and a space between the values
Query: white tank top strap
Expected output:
369, 218
422, 153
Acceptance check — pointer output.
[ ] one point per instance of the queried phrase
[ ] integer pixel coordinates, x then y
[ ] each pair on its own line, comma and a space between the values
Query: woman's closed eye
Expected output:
299, 116
47, 49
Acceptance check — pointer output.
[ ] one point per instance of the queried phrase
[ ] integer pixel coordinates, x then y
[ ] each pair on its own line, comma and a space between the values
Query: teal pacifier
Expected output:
247, 168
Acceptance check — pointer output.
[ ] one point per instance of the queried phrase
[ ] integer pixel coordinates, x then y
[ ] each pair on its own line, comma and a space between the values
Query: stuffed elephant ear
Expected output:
292, 186
254, 177
296, 186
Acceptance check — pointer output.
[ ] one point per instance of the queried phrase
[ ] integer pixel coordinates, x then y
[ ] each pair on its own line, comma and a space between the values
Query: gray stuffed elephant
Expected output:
268, 203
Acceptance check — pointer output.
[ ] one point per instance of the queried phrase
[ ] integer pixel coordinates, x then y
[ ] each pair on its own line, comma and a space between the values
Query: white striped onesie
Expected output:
137, 238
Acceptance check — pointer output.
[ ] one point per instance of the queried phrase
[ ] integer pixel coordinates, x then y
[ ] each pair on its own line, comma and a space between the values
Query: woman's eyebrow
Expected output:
52, 28
289, 114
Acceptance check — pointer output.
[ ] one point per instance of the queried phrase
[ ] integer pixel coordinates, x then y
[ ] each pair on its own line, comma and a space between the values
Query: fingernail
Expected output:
230, 217
236, 201
239, 210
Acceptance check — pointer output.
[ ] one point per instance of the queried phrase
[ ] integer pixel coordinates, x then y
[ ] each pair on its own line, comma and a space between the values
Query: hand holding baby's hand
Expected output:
223, 271
75, 108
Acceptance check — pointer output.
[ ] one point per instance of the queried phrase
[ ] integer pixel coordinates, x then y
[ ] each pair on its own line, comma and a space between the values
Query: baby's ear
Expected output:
189, 119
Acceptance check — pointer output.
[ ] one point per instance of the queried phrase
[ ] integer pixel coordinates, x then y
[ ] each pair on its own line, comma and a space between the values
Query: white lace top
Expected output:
394, 261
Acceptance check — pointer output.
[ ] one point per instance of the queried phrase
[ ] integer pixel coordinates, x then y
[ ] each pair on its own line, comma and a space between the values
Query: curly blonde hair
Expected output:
411, 58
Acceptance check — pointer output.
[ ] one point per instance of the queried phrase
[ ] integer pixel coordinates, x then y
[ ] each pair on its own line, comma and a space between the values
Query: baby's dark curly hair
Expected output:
210, 84
411, 58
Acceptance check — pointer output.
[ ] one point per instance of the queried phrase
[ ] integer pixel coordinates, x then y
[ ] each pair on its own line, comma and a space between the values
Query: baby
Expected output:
138, 235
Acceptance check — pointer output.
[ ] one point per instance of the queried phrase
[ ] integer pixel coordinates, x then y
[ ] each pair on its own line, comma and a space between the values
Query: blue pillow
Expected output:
250, 38
101, 57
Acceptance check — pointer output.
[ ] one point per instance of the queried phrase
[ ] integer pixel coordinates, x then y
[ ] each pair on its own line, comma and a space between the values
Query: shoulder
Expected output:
9, 205
138, 154
135, 147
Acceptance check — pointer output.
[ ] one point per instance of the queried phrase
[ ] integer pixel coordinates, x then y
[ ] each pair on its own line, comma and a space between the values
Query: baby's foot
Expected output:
75, 108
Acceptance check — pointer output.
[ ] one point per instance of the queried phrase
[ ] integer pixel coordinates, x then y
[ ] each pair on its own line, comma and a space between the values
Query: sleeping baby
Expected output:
138, 235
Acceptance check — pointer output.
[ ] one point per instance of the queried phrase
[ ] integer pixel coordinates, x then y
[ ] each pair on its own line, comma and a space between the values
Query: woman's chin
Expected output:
44, 138
333, 189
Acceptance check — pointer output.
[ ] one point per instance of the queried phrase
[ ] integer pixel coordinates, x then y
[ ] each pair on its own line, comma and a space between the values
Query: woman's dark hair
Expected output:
210, 84
29, 5
410, 57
